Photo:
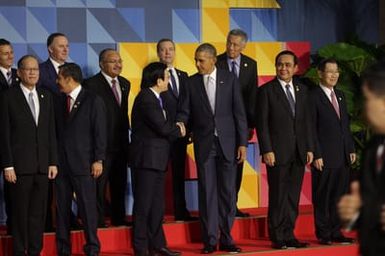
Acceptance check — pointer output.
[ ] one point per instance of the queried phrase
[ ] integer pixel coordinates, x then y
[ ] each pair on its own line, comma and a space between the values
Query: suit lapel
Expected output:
43, 105
203, 93
218, 83
281, 96
21, 98
77, 104
325, 100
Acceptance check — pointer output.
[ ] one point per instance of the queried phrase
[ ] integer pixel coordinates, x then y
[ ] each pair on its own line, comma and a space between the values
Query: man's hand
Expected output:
96, 169
10, 175
309, 157
182, 128
350, 204
52, 172
241, 154
269, 158
318, 164
353, 158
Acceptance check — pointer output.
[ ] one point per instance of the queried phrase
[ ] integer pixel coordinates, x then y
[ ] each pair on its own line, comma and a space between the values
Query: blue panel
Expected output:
190, 18
78, 54
96, 33
100, 3
38, 50
19, 50
180, 31
46, 17
135, 19
14, 20
41, 3
70, 3
13, 2
72, 22
264, 25
241, 18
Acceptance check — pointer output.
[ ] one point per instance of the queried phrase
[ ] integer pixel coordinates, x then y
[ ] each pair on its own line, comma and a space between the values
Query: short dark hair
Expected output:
71, 70
206, 47
238, 32
103, 52
152, 72
20, 63
322, 64
162, 41
373, 78
3, 41
52, 37
287, 52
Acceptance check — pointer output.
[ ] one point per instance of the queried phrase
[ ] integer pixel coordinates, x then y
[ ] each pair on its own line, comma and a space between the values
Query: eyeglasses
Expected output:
114, 61
30, 69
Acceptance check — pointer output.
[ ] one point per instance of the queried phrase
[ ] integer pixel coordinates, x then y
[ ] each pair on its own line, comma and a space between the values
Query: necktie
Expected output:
380, 158
335, 104
9, 78
234, 68
160, 102
173, 84
210, 90
69, 104
290, 99
115, 91
31, 104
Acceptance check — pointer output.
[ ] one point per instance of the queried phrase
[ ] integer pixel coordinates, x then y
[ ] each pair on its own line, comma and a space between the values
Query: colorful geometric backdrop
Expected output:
134, 26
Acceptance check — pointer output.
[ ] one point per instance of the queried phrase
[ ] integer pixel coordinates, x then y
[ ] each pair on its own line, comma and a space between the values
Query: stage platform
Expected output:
249, 233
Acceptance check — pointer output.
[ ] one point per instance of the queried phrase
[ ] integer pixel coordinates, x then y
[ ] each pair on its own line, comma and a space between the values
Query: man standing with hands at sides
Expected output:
364, 207
333, 153
114, 90
152, 133
82, 133
286, 145
28, 155
166, 54
8, 75
245, 69
213, 104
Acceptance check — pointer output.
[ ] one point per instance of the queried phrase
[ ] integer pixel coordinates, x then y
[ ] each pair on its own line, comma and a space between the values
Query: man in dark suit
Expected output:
82, 133
286, 145
213, 104
114, 90
166, 54
365, 205
8, 75
152, 132
28, 155
333, 153
58, 50
245, 68
8, 79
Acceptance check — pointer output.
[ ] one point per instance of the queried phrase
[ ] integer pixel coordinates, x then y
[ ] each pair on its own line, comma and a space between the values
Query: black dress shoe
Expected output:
165, 252
121, 223
230, 248
325, 241
208, 249
279, 245
294, 243
187, 217
102, 225
240, 214
342, 240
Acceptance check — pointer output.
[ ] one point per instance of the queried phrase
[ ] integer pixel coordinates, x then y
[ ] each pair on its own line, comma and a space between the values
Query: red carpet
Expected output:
249, 233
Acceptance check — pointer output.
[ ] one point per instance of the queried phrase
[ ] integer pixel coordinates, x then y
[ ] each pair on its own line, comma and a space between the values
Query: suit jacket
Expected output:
278, 131
48, 76
151, 134
82, 133
372, 187
117, 116
248, 80
3, 80
28, 148
332, 137
229, 118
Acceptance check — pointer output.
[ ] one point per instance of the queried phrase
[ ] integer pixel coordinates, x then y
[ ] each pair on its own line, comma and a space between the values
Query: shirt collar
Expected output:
26, 90
237, 61
327, 90
55, 64
109, 79
75, 92
156, 94
213, 74
283, 83
5, 71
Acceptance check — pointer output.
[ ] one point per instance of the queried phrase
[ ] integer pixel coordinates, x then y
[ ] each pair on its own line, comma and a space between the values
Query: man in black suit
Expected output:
286, 145
245, 68
82, 133
166, 54
333, 153
58, 50
152, 132
28, 155
8, 79
8, 75
213, 105
114, 90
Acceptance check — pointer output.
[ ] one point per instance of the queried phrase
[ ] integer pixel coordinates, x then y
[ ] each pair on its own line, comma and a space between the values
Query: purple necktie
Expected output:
335, 104
115, 91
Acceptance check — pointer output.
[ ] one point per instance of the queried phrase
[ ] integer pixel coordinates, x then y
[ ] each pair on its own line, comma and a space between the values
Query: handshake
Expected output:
182, 128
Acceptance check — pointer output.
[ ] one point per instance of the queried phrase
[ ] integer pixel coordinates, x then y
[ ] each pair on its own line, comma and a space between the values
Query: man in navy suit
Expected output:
58, 50
166, 54
28, 155
114, 90
82, 133
245, 69
152, 134
286, 145
333, 153
213, 104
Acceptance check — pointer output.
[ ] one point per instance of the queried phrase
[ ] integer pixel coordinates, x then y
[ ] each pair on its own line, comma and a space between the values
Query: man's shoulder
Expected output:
124, 80
247, 59
222, 57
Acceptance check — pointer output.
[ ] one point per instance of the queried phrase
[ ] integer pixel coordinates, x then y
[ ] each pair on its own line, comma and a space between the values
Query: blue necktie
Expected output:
234, 68
290, 99
173, 84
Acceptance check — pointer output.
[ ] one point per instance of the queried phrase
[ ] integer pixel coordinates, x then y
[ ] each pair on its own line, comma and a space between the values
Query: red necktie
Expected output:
68, 104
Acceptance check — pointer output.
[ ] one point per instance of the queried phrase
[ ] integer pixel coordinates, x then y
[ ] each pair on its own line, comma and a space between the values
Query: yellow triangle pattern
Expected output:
253, 4
215, 24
